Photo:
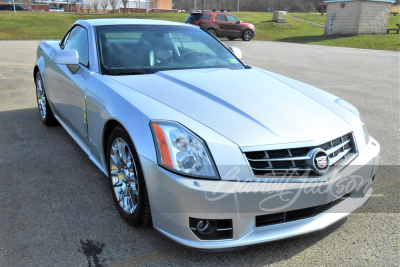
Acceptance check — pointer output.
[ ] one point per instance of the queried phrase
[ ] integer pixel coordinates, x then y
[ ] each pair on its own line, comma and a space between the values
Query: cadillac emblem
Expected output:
322, 161
319, 161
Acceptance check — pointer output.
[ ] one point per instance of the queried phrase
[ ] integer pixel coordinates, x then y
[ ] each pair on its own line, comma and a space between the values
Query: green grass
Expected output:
49, 25
314, 17
54, 25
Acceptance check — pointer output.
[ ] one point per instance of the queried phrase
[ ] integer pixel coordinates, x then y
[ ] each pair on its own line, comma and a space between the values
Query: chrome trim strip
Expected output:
339, 156
334, 149
85, 116
282, 169
282, 159
224, 229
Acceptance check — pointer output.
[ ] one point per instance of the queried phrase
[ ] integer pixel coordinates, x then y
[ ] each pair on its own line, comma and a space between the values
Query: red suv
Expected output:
223, 25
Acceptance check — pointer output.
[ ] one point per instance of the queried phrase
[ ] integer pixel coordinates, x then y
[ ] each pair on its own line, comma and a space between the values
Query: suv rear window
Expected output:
197, 16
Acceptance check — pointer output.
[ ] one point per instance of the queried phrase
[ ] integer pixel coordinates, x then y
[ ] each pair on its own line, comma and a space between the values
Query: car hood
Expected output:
249, 107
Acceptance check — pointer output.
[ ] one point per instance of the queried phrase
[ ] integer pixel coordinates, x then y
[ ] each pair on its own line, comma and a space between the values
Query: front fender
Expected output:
41, 67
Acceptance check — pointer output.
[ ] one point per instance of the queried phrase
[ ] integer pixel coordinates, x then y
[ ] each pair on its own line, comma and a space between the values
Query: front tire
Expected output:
126, 179
46, 115
247, 35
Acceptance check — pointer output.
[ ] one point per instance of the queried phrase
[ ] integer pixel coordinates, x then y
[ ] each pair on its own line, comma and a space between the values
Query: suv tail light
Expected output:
198, 22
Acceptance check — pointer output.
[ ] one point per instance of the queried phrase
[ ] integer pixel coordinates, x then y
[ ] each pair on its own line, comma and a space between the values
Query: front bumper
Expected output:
174, 199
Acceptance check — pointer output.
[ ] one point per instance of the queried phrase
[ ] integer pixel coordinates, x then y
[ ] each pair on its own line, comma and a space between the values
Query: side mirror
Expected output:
236, 51
67, 57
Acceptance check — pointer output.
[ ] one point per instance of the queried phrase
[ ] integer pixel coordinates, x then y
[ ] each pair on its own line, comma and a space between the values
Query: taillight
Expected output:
198, 22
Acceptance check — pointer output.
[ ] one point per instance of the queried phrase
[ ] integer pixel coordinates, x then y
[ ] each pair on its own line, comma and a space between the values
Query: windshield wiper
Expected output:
128, 73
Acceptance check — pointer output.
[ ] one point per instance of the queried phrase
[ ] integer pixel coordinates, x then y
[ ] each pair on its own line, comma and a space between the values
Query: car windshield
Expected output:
146, 49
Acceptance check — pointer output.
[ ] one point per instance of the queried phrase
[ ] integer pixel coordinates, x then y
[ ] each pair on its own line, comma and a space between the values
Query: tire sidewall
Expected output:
136, 218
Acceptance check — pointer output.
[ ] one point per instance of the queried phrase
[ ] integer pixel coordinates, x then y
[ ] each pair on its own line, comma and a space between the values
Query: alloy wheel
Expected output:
41, 98
123, 176
248, 35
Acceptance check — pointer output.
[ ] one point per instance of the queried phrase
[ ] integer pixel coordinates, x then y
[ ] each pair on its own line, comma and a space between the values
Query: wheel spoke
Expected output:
115, 157
119, 145
123, 152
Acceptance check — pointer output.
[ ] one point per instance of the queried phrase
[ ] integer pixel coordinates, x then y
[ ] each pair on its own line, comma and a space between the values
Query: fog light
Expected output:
211, 229
202, 226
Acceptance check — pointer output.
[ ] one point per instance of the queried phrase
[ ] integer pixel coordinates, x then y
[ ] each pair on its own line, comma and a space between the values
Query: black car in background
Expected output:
11, 8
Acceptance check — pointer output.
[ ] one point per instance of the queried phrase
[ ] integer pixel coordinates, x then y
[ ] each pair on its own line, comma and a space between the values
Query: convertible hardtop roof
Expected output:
117, 21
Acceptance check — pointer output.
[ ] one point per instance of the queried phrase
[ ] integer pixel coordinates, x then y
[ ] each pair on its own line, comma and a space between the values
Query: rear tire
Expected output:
126, 179
212, 32
231, 38
247, 35
45, 112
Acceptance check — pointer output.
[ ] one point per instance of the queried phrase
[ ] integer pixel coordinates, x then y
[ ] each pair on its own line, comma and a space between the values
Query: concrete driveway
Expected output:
56, 208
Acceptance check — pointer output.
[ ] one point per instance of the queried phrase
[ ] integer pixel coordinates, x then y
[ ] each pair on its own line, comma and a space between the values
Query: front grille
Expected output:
294, 215
293, 161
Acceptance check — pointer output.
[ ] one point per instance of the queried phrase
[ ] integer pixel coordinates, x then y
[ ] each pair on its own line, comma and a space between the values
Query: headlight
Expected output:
355, 111
181, 151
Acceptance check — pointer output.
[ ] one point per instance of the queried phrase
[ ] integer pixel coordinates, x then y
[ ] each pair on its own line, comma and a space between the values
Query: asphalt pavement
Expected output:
56, 208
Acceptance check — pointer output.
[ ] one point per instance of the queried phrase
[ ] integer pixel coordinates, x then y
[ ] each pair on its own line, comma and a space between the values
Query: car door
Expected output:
68, 89
235, 28
222, 25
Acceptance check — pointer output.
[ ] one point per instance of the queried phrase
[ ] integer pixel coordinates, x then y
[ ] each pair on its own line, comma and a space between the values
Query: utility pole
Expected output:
194, 6
139, 6
203, 4
14, 6
238, 4
270, 5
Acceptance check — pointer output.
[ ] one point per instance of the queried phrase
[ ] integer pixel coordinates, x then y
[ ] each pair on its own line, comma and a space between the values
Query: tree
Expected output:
136, 3
321, 8
113, 4
203, 5
88, 6
125, 4
95, 5
104, 5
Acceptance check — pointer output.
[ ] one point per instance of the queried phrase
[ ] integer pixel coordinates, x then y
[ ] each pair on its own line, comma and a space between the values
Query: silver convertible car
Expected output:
215, 154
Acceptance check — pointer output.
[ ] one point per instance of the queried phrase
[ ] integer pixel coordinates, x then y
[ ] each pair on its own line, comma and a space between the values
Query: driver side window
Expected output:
232, 18
78, 39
